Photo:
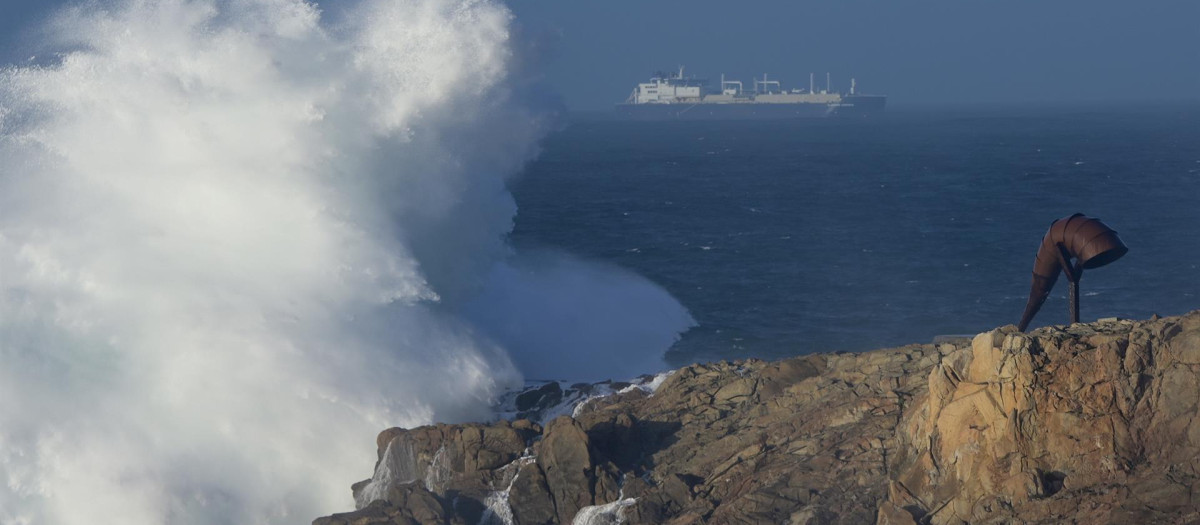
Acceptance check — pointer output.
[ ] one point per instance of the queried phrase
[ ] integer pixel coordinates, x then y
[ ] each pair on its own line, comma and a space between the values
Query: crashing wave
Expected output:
238, 239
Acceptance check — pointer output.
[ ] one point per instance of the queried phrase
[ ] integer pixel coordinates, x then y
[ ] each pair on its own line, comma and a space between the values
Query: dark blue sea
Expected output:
793, 237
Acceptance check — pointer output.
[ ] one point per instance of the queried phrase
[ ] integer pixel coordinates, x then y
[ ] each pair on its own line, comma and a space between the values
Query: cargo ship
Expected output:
675, 97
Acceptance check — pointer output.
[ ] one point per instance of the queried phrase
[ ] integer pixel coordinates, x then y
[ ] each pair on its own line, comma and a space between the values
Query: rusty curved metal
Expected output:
1088, 241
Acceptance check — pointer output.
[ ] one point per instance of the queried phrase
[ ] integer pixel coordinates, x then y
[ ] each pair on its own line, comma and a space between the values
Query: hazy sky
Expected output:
916, 52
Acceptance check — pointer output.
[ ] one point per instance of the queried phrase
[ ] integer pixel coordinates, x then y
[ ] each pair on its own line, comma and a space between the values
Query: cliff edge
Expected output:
1093, 423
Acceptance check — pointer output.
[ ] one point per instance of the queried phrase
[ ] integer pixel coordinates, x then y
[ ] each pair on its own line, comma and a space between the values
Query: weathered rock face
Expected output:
1089, 423
1095, 423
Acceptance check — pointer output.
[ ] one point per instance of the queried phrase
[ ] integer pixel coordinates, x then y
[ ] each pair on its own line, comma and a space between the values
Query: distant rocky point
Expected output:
1088, 423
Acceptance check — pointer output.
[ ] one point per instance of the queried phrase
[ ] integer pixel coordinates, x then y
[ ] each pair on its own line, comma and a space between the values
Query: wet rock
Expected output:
454, 463
540, 398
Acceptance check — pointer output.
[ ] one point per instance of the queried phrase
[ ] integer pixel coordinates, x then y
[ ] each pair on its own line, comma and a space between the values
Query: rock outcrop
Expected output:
1089, 423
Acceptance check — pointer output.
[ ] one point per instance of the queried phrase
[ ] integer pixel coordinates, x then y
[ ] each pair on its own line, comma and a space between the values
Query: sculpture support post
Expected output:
1074, 299
1073, 275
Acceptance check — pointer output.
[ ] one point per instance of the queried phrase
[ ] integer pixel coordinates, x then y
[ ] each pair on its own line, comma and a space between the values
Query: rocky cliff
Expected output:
1093, 423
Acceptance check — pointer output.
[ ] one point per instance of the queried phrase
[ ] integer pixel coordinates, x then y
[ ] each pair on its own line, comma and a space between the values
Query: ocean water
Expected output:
785, 238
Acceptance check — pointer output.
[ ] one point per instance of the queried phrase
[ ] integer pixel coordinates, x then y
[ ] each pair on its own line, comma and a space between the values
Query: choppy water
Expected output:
795, 237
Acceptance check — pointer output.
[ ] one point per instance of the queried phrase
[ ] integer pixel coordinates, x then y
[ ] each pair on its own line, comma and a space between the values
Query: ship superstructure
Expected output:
674, 96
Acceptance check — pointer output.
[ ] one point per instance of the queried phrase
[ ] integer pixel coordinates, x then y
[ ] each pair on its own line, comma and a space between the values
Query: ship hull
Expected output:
851, 106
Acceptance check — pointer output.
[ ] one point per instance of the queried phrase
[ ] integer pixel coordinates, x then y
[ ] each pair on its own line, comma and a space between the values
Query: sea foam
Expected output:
237, 240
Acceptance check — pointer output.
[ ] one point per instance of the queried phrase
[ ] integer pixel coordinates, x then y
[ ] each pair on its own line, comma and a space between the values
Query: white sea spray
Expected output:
236, 243
607, 514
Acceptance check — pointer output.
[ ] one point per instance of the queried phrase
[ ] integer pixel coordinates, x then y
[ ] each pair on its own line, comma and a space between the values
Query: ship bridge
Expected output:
666, 88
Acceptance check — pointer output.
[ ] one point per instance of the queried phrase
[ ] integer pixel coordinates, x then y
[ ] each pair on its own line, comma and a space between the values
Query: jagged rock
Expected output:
417, 503
381, 512
1100, 415
534, 401
1083, 423
457, 465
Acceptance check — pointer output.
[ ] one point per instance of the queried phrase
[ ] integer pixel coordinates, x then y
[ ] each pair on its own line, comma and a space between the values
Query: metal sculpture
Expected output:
1087, 240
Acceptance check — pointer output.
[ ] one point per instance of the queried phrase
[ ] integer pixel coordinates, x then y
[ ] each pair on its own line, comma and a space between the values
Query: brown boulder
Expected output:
566, 462
530, 498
